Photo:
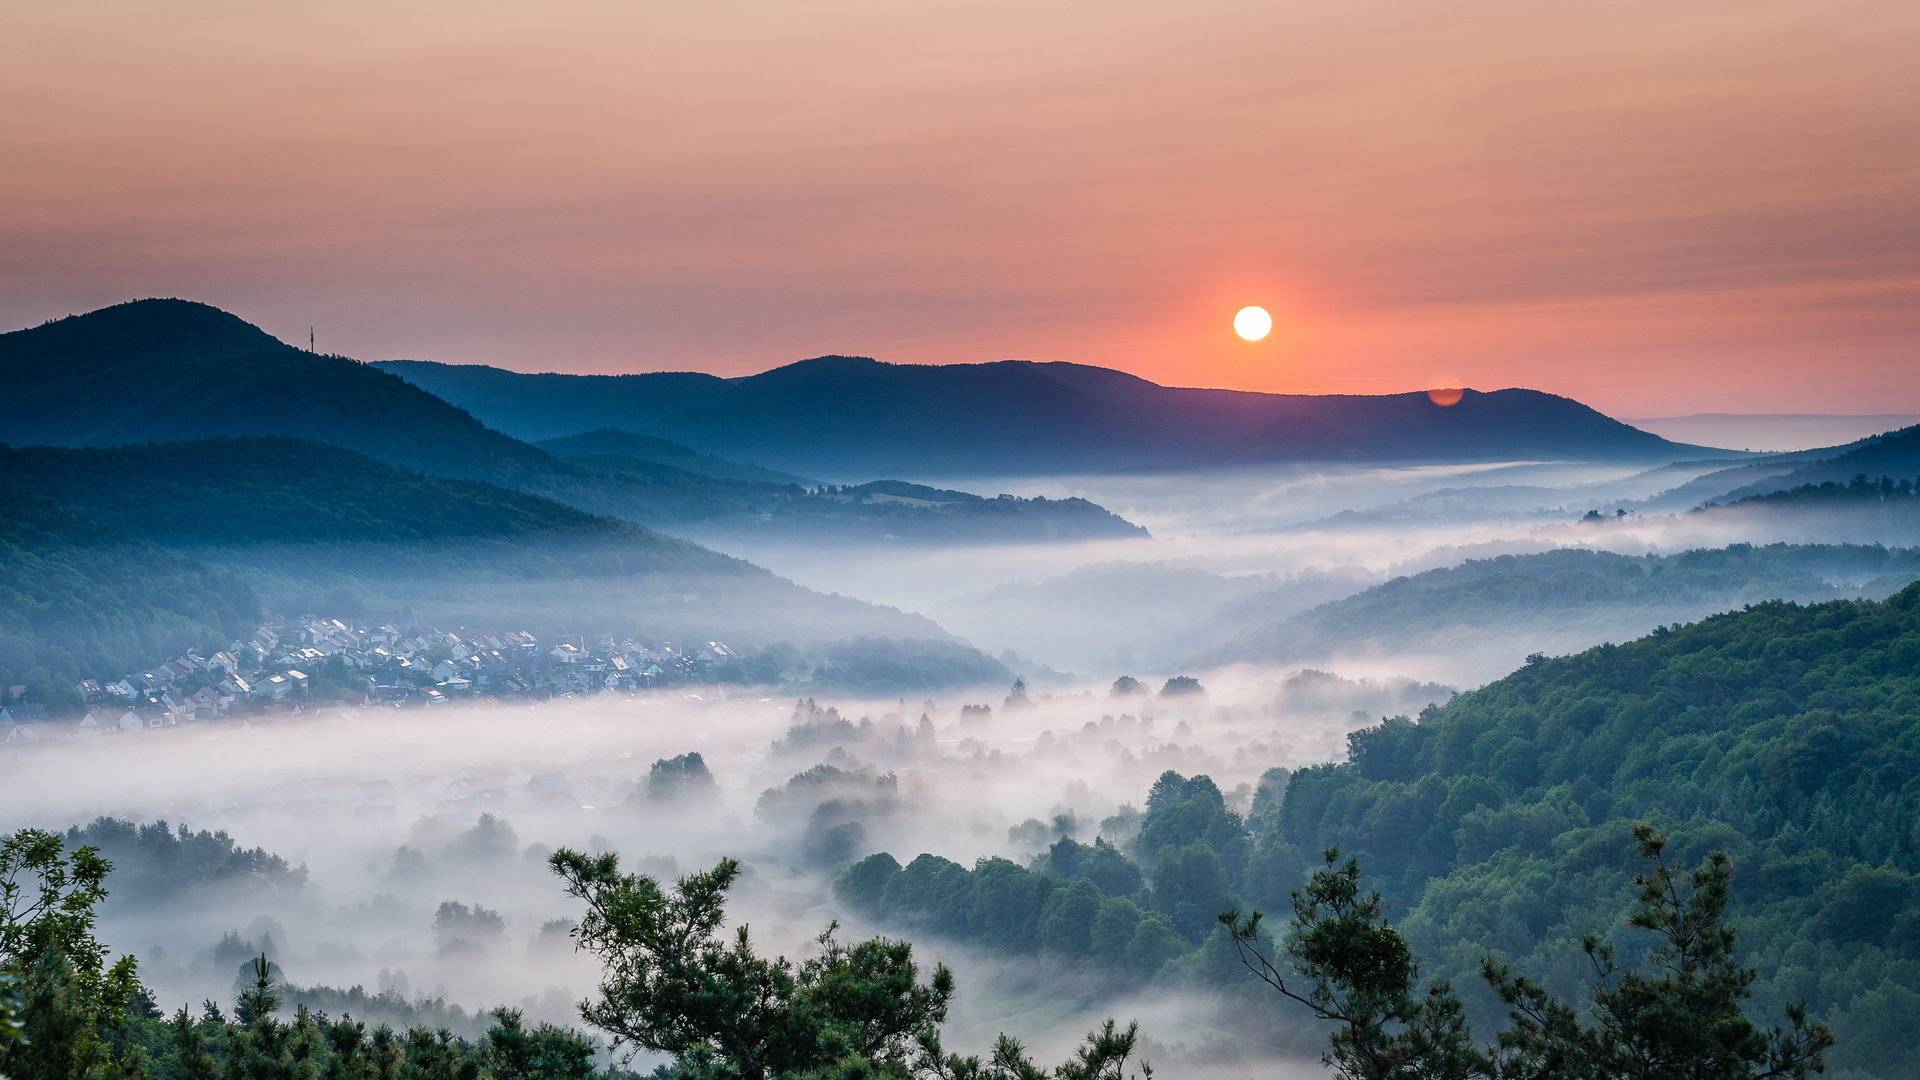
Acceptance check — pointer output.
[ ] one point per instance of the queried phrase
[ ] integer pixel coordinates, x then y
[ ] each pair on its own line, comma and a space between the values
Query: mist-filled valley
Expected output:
335, 691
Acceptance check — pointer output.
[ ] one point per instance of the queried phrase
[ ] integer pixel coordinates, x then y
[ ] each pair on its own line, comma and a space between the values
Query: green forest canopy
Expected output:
1501, 824
81, 600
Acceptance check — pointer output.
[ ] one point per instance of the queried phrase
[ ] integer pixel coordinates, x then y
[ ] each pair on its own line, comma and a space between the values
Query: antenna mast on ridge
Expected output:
309, 339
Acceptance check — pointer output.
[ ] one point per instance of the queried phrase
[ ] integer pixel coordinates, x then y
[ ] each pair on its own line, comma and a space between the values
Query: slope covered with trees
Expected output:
80, 600
1787, 735
316, 527
1567, 599
1503, 825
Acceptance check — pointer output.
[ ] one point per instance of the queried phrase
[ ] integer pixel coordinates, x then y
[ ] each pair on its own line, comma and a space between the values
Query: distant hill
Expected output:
171, 370
856, 417
157, 370
79, 600
1895, 454
664, 452
1490, 612
326, 529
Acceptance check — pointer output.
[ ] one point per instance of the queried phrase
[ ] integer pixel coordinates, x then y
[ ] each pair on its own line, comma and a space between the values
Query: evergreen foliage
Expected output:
1677, 1016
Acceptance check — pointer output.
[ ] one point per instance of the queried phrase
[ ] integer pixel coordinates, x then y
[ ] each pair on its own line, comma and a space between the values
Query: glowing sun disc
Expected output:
1252, 323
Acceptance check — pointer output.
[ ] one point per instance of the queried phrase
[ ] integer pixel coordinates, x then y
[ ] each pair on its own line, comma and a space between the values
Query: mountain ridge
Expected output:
181, 370
860, 417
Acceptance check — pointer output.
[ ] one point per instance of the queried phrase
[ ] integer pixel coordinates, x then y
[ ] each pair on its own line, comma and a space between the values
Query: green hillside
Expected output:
1500, 824
1568, 598
1895, 454
251, 489
80, 600
326, 529
1787, 735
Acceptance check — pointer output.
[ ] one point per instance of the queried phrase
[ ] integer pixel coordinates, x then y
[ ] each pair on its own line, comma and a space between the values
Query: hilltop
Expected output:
159, 370
859, 417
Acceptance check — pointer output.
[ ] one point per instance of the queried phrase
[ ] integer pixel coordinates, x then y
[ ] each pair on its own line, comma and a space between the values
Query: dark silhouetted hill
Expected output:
158, 370
172, 370
852, 416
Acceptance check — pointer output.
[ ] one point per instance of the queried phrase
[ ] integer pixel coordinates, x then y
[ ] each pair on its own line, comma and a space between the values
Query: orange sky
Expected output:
1657, 208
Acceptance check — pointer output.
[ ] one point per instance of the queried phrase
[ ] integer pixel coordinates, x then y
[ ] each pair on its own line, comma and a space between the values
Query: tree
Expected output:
71, 995
1684, 1023
679, 777
1361, 975
672, 983
546, 1052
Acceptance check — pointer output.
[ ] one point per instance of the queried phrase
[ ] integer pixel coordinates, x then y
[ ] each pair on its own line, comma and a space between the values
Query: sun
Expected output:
1252, 323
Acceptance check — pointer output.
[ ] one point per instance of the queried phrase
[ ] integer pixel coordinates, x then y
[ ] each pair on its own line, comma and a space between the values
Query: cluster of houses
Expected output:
367, 666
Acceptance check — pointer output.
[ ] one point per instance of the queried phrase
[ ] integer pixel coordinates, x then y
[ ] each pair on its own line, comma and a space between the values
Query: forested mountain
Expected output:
1895, 455
80, 600
317, 528
172, 370
157, 370
1788, 735
856, 417
1565, 599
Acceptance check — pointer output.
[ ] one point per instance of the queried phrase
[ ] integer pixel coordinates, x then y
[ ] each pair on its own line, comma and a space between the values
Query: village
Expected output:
288, 665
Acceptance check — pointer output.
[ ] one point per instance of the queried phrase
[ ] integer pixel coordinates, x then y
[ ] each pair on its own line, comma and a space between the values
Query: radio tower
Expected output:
309, 339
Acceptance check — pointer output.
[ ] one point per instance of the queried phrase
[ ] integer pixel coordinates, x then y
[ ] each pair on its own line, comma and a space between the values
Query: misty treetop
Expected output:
155, 863
1091, 909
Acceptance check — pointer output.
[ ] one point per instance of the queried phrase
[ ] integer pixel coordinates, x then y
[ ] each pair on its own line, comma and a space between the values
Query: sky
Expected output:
1658, 209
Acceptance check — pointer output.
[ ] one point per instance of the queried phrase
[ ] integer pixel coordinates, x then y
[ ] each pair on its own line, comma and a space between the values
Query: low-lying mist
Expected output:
423, 835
